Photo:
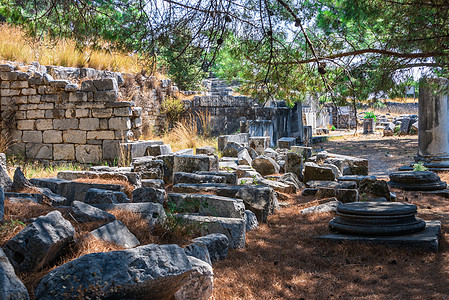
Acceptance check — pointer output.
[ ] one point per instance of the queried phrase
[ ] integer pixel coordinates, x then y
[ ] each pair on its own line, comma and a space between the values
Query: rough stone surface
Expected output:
233, 228
199, 284
244, 158
183, 177
265, 165
313, 171
305, 152
2, 204
332, 184
309, 192
230, 178
146, 272
292, 179
356, 178
158, 150
11, 288
206, 150
98, 196
250, 220
330, 206
198, 251
373, 187
117, 233
208, 205
192, 163
83, 212
5, 181
293, 164
347, 195
148, 194
153, 183
217, 244
148, 167
232, 149
39, 243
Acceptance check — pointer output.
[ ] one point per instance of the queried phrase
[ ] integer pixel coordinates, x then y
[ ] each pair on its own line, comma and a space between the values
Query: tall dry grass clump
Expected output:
15, 45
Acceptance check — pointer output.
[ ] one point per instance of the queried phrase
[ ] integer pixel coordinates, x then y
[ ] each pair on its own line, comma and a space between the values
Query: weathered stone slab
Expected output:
199, 285
305, 152
250, 220
11, 288
259, 143
73, 175
183, 177
265, 165
5, 181
72, 190
116, 232
206, 150
153, 183
241, 138
286, 142
244, 158
148, 167
377, 188
161, 271
293, 164
39, 243
217, 244
99, 196
230, 178
2, 204
83, 212
148, 194
332, 184
261, 200
313, 171
330, 206
192, 163
356, 178
158, 150
208, 205
198, 251
233, 228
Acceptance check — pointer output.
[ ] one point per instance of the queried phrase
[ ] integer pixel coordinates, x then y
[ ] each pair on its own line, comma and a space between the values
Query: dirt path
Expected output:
284, 259
384, 154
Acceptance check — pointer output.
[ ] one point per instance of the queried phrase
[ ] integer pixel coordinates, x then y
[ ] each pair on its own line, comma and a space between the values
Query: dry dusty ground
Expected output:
284, 259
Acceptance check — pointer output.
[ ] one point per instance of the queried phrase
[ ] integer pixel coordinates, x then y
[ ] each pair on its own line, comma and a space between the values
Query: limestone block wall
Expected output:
56, 119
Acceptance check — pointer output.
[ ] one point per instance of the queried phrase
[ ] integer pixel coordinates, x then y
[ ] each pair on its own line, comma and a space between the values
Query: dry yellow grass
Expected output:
16, 46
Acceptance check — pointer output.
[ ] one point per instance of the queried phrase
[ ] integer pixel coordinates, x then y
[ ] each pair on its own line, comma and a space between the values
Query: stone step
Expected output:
183, 177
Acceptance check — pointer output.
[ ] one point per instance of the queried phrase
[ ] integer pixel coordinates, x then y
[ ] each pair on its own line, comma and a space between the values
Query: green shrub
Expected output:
419, 167
370, 115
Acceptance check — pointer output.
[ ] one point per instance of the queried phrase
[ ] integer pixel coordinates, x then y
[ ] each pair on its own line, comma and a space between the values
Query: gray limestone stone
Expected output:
293, 164
148, 194
207, 205
148, 167
244, 158
305, 152
291, 179
117, 233
286, 142
233, 228
372, 187
330, 206
146, 272
313, 171
39, 243
199, 285
230, 178
198, 251
153, 183
5, 181
11, 288
83, 212
332, 184
158, 150
232, 149
347, 195
217, 244
192, 163
265, 165
309, 192
99, 196
250, 220
183, 177
2, 204
206, 150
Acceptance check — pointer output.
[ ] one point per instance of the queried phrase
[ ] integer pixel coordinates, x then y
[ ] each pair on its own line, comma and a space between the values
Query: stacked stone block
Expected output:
57, 120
